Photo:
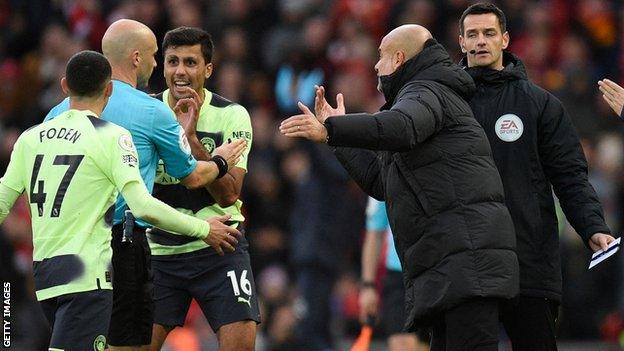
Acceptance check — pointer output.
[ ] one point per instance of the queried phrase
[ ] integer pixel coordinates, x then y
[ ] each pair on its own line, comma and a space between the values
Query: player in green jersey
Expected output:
72, 168
186, 268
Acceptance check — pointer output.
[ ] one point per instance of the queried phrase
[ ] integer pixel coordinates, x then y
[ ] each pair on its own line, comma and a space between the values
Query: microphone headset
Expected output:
472, 52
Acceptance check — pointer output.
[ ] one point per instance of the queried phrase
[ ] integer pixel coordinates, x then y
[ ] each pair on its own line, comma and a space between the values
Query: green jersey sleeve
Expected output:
14, 175
161, 215
239, 127
8, 197
123, 163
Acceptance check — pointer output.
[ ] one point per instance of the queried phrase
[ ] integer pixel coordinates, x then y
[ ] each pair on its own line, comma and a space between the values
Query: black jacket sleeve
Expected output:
565, 166
324, 161
415, 115
365, 167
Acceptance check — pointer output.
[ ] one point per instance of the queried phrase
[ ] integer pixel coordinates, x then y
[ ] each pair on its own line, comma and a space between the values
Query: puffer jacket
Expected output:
430, 160
536, 150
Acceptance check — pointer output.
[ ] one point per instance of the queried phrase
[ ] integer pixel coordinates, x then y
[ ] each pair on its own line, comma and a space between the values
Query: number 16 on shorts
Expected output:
244, 285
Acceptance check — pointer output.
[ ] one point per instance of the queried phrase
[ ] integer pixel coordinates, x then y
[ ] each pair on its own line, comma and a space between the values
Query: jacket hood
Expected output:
432, 63
513, 70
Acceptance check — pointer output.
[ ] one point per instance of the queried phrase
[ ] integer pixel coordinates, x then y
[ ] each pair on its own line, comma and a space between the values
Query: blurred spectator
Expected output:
320, 232
270, 54
295, 82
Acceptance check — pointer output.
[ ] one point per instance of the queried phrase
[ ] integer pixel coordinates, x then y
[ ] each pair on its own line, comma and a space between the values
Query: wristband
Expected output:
221, 165
367, 284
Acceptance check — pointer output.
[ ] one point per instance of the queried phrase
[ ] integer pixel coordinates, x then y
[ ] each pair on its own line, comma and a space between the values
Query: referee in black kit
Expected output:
536, 149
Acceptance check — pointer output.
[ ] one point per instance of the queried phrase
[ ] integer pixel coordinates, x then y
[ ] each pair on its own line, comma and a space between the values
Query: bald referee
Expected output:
71, 168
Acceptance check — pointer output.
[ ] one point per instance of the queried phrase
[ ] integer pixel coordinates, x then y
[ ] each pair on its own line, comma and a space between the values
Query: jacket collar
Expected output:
513, 70
431, 64
392, 83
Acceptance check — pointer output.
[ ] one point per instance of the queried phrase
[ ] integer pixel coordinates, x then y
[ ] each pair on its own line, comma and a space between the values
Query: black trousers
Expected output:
530, 323
469, 326
133, 305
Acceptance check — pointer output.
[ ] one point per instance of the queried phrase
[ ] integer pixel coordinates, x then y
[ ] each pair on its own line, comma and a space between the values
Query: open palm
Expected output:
323, 109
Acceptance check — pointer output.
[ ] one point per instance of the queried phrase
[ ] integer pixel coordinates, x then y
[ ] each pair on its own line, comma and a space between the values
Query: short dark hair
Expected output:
483, 8
189, 36
87, 73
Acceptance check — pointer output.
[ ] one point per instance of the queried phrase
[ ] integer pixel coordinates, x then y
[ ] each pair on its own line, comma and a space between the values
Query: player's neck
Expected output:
94, 105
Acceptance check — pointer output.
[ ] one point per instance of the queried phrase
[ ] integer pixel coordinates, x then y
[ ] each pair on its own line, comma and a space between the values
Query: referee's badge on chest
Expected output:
509, 127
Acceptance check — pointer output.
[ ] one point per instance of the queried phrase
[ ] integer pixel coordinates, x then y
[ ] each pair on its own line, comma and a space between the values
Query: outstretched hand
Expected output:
222, 236
305, 125
309, 125
613, 94
323, 109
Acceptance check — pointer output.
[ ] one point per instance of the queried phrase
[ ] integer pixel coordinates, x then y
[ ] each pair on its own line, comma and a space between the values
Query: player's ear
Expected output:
208, 70
399, 58
136, 58
108, 91
64, 86
505, 40
461, 44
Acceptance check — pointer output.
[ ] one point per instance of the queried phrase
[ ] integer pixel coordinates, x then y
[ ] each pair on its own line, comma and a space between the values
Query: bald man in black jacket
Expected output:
429, 159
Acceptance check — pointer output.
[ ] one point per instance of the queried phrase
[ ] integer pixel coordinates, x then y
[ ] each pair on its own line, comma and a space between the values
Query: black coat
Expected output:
535, 145
444, 197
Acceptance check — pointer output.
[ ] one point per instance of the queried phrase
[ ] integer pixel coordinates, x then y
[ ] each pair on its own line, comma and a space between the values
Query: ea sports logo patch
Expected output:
509, 127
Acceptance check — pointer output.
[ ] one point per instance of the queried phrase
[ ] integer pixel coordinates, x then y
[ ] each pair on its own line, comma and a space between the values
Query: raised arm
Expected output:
226, 189
174, 149
415, 116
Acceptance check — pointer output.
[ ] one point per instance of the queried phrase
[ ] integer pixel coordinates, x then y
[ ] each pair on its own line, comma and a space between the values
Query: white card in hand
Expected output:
600, 255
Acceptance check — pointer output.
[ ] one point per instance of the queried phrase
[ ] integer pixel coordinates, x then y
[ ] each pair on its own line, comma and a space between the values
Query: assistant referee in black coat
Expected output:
536, 150
429, 159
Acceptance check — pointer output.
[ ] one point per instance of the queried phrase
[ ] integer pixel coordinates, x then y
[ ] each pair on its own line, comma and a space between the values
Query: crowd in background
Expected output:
302, 210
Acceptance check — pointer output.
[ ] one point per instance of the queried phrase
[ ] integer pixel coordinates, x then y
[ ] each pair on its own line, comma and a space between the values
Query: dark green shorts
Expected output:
79, 321
223, 286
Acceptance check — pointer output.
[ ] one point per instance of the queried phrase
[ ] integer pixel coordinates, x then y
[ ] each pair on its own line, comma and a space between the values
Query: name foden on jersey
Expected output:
61, 133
